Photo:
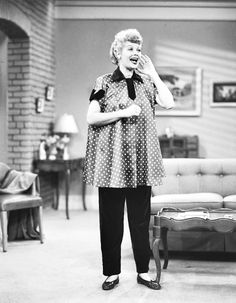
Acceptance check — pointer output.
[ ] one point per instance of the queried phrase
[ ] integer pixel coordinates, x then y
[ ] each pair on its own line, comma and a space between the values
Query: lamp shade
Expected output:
66, 124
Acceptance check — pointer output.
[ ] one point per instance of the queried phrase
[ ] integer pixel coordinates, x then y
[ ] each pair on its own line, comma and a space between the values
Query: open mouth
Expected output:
134, 60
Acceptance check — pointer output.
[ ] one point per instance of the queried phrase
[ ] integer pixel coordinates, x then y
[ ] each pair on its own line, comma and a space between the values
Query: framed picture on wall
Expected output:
39, 105
223, 94
185, 83
49, 93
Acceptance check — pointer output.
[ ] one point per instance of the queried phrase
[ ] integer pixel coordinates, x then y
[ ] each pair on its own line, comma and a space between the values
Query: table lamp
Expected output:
66, 126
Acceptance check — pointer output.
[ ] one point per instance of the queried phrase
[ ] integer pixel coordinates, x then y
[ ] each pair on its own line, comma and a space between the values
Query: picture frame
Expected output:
39, 104
185, 84
49, 93
223, 94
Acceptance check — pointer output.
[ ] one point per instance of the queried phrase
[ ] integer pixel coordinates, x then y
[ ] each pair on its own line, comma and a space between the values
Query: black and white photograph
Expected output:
224, 94
117, 151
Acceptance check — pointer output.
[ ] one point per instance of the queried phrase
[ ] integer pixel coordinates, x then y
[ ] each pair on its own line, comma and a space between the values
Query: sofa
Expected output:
193, 183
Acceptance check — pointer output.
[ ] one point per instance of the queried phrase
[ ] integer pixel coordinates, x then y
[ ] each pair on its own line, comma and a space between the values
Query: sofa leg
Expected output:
40, 223
3, 218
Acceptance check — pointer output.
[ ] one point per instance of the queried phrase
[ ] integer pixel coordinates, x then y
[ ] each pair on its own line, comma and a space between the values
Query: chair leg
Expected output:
3, 218
40, 223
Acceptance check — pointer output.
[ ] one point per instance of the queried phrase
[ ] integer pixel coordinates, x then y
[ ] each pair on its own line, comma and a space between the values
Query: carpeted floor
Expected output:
67, 269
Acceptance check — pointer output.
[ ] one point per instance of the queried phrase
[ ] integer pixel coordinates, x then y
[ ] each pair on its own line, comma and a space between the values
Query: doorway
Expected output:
3, 98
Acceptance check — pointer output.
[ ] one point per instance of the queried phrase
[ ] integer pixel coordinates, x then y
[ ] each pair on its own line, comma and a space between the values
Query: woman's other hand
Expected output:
98, 118
132, 110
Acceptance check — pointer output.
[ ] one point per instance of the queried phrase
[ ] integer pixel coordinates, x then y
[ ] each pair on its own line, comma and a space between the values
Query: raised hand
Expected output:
146, 66
164, 98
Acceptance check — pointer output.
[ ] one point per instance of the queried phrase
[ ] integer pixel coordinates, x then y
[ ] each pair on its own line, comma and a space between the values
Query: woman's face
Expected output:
130, 55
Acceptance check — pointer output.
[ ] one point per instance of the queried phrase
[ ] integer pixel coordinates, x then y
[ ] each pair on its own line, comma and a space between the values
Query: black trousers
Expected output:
111, 211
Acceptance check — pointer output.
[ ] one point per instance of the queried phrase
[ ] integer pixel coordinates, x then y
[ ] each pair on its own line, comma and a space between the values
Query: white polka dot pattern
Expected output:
125, 153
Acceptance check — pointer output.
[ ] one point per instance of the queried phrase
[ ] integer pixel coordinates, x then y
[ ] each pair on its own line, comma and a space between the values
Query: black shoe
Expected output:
150, 284
106, 285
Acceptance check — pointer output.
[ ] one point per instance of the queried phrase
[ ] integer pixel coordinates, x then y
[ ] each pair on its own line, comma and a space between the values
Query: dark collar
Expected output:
118, 76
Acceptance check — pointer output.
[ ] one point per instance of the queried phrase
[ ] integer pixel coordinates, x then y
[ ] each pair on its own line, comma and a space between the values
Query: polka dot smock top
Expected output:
125, 153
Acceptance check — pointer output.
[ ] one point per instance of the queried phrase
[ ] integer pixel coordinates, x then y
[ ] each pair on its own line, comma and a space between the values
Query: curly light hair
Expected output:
131, 35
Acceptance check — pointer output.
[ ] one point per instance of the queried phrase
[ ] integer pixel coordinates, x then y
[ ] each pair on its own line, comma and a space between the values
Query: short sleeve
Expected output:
98, 91
151, 91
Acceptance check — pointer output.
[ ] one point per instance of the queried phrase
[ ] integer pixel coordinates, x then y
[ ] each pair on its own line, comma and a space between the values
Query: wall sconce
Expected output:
66, 126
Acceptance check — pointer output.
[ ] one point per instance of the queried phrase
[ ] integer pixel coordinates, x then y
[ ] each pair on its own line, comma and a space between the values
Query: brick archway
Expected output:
30, 30
30, 48
13, 22
15, 87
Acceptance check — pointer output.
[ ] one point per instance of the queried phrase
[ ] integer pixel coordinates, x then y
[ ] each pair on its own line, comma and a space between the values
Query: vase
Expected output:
52, 153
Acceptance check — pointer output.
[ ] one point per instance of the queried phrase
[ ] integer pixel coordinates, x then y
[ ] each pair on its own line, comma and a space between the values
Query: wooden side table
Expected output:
66, 167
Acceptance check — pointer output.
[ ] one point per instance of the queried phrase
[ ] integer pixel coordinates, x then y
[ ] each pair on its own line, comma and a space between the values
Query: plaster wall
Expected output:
82, 54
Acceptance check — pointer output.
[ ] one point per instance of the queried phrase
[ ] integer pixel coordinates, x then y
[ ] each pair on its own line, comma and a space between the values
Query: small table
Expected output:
222, 220
66, 167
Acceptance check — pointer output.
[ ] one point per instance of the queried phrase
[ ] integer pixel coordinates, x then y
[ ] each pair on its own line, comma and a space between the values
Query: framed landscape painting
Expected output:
223, 94
185, 84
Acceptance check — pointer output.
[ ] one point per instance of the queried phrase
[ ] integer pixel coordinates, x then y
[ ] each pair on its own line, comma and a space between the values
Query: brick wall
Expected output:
31, 68
20, 105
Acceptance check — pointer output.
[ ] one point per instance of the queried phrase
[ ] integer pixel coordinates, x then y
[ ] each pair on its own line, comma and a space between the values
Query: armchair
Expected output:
18, 190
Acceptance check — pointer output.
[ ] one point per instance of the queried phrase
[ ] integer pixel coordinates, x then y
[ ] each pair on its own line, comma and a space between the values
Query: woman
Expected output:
123, 157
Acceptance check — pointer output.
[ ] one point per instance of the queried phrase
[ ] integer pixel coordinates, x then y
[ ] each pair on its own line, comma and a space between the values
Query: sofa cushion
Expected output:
230, 201
186, 201
19, 201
